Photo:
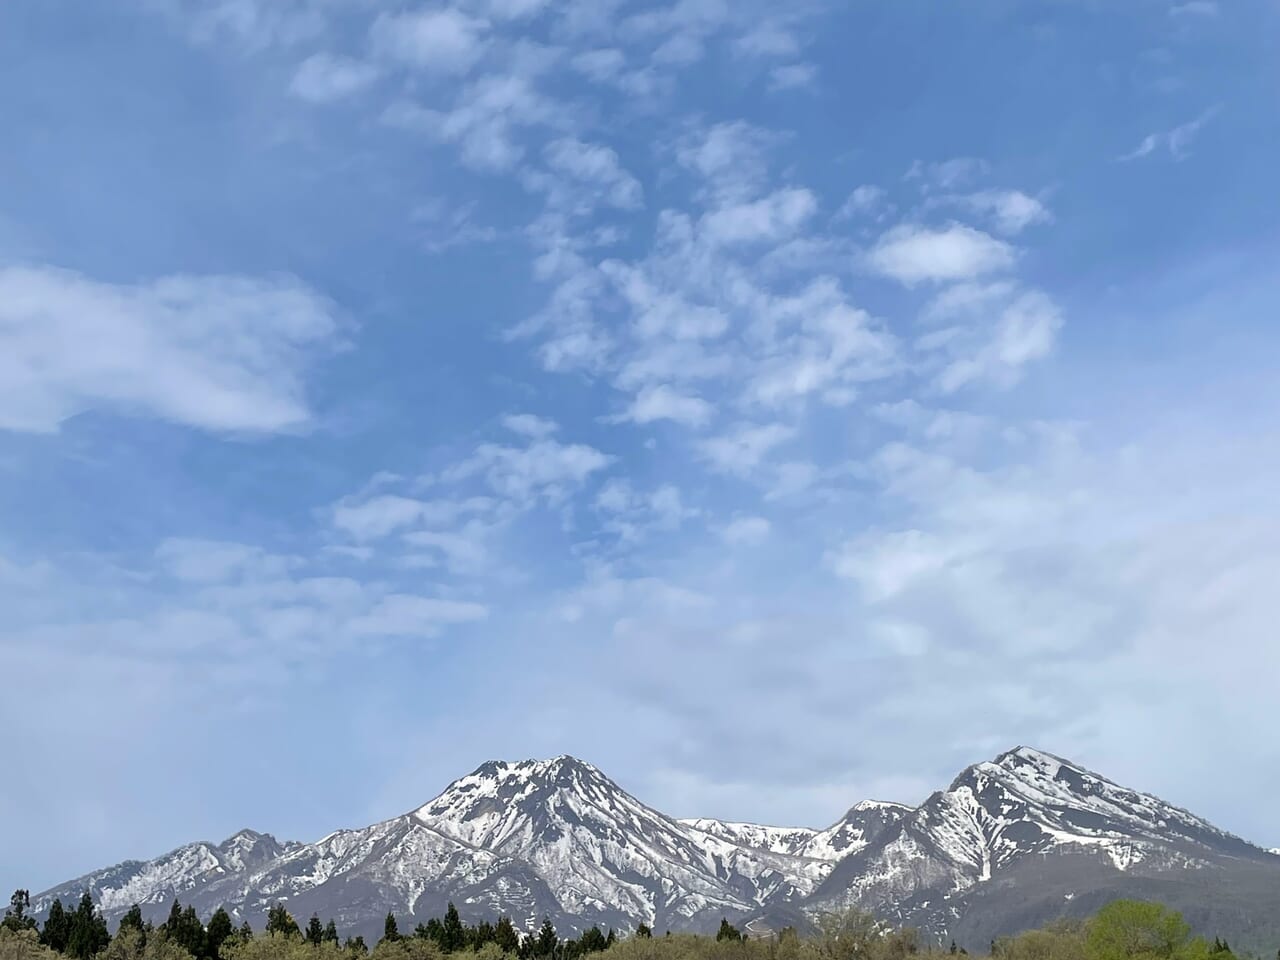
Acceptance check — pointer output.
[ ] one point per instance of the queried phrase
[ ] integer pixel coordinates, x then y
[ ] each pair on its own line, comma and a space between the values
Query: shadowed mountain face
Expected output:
1011, 843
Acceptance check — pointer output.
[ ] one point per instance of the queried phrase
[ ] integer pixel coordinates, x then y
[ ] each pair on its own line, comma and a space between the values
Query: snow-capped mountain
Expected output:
1011, 842
1033, 820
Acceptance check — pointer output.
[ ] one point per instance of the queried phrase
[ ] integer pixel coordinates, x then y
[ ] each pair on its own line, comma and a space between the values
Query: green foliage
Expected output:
330, 934
645, 932
280, 922
133, 943
390, 931
315, 931
545, 943
57, 928
87, 930
132, 921
508, 941
218, 932
23, 943
1136, 930
15, 918
728, 932
184, 929
846, 935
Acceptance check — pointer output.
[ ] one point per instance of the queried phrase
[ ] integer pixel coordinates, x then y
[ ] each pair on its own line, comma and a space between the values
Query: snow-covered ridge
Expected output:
559, 838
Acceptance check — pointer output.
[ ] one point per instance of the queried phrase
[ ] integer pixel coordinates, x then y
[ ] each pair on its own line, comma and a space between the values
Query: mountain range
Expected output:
1011, 843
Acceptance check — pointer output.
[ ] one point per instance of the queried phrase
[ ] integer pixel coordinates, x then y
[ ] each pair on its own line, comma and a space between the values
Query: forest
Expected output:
1122, 930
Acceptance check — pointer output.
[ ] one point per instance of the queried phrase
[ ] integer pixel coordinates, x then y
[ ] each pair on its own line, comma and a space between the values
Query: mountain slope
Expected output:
1010, 843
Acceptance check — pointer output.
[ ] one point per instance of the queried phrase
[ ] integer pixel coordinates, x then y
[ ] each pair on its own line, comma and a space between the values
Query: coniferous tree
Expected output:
390, 931
88, 930
330, 932
218, 932
454, 936
728, 931
545, 943
355, 945
505, 936
433, 931
593, 941
281, 922
644, 932
245, 933
611, 939
482, 933
132, 920
315, 931
57, 928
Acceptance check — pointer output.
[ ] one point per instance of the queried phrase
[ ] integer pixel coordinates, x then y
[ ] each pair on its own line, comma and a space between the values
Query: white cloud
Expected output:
218, 353
529, 425
731, 157
405, 615
744, 448
662, 402
948, 174
442, 40
1195, 9
214, 561
793, 76
544, 469
1012, 211
1175, 141
768, 39
1024, 331
485, 120
325, 77
910, 253
745, 531
886, 564
632, 515
864, 199
595, 165
769, 219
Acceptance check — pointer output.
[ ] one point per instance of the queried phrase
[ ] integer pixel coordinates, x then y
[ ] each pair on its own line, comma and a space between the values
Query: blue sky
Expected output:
776, 409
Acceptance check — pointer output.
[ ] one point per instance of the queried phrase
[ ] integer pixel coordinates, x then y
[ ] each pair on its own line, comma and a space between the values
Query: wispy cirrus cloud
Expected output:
1176, 141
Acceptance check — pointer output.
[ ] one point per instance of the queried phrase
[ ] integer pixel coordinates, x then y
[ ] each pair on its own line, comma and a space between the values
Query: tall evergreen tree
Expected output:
482, 933
355, 945
593, 941
389, 929
315, 931
455, 937
88, 930
544, 945
330, 932
611, 939
57, 928
218, 932
505, 936
644, 932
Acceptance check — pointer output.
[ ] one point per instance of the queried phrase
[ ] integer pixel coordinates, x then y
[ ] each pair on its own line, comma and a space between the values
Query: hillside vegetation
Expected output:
1122, 930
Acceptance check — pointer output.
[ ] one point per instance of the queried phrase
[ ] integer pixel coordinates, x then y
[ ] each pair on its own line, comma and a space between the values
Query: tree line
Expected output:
1123, 930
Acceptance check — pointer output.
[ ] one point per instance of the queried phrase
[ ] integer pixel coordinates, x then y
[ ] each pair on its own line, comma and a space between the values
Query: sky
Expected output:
775, 405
